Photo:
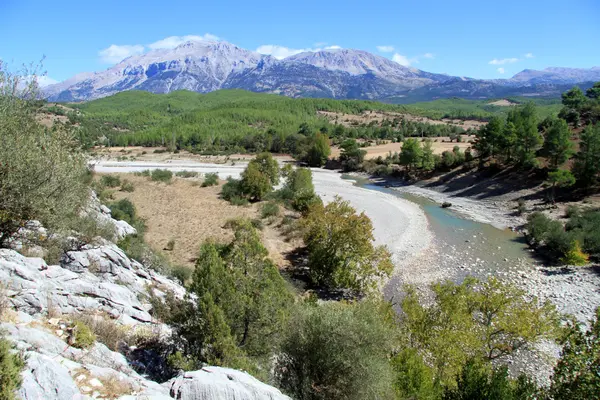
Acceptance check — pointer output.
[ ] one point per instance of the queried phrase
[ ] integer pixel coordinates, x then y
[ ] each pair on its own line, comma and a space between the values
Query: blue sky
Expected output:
481, 39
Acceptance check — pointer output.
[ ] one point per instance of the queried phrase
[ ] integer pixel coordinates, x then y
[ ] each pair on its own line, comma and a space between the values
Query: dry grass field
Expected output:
442, 144
189, 214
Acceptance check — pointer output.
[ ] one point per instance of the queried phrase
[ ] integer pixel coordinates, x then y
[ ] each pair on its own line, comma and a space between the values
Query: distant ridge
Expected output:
206, 66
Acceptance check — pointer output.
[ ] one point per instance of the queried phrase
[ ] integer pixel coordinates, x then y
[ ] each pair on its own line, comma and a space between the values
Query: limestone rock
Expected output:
216, 383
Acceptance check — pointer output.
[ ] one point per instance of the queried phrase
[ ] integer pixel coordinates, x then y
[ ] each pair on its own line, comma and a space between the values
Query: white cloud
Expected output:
500, 70
385, 49
115, 53
281, 52
529, 55
402, 60
45, 80
428, 55
503, 61
173, 41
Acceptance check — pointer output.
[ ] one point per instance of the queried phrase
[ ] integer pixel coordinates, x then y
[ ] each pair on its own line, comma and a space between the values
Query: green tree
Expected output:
255, 184
351, 155
509, 140
11, 366
593, 92
587, 161
300, 189
558, 147
428, 159
478, 381
411, 154
489, 138
413, 378
573, 98
340, 248
528, 137
318, 151
576, 374
474, 319
561, 178
267, 165
42, 171
338, 351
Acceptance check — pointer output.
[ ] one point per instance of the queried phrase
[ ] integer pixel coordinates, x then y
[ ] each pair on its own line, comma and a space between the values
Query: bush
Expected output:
145, 173
107, 331
89, 228
239, 201
161, 175
83, 336
211, 179
42, 173
572, 211
170, 245
127, 186
337, 351
110, 181
340, 248
123, 210
231, 189
269, 209
186, 174
11, 365
181, 273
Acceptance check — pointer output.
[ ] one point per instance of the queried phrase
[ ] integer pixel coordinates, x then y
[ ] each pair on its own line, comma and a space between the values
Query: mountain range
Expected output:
205, 66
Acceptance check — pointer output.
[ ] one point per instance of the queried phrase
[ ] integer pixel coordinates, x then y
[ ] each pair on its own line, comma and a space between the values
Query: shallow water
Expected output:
473, 247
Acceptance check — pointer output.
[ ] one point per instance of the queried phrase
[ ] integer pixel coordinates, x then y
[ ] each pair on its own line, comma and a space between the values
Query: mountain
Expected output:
205, 66
555, 75
196, 66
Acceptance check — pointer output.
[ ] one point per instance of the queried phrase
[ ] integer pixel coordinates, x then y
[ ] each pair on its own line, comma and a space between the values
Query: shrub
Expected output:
83, 336
186, 174
170, 245
88, 228
161, 175
127, 186
239, 201
110, 181
574, 255
123, 210
42, 173
572, 211
211, 179
337, 351
340, 248
106, 331
521, 207
11, 365
181, 273
231, 189
269, 209
145, 173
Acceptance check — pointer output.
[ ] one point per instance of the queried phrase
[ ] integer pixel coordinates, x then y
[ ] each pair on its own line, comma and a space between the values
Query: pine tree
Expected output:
587, 163
557, 145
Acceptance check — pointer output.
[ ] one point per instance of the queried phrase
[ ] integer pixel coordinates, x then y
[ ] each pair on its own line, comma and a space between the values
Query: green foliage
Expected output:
413, 378
338, 351
575, 256
528, 138
340, 248
268, 166
558, 147
587, 161
474, 319
561, 178
178, 361
318, 150
476, 381
576, 374
123, 210
161, 175
42, 171
111, 181
427, 157
299, 191
210, 179
584, 227
242, 304
232, 189
127, 186
411, 154
11, 366
84, 337
255, 184
269, 209
351, 155
186, 174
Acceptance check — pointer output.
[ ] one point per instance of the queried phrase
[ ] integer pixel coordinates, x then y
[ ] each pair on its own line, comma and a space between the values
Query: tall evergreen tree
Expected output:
558, 147
587, 163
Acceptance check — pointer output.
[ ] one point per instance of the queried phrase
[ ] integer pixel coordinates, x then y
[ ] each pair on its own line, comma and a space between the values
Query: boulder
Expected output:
216, 383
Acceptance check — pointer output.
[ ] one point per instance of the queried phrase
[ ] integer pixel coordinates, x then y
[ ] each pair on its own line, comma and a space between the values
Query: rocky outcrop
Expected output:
97, 279
217, 383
